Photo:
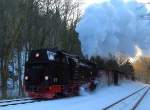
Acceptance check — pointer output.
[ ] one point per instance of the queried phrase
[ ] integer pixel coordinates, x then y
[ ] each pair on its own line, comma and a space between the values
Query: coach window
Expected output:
71, 61
57, 58
51, 57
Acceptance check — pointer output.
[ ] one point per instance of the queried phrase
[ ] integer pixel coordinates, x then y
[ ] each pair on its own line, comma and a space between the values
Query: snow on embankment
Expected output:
96, 101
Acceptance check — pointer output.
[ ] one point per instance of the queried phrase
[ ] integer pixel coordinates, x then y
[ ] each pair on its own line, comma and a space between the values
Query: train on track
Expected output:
51, 73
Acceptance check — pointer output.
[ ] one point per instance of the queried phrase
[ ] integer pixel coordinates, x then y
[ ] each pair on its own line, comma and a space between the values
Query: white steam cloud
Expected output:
114, 27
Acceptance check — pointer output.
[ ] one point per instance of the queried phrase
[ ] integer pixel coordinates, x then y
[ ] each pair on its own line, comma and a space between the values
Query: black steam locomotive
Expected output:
50, 73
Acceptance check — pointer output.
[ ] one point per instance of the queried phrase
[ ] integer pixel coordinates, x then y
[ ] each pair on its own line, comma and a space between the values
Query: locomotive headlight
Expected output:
46, 77
26, 78
37, 55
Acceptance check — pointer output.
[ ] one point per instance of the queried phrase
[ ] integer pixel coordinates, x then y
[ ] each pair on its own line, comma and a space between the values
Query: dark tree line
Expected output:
34, 24
142, 69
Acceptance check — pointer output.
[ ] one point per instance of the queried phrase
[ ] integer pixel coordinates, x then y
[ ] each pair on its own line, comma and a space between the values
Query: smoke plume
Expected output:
114, 27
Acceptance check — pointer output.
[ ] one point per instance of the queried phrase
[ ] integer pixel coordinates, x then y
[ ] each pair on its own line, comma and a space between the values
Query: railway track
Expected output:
126, 103
4, 103
140, 100
137, 95
19, 99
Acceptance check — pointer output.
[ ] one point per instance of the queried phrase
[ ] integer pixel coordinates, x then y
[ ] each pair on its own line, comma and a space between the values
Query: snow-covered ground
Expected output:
101, 98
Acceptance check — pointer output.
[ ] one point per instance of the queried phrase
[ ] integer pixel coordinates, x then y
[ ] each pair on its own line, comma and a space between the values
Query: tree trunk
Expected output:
4, 76
20, 74
13, 66
115, 78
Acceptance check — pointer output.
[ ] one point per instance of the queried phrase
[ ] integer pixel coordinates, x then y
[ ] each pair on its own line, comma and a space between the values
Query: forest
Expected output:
35, 24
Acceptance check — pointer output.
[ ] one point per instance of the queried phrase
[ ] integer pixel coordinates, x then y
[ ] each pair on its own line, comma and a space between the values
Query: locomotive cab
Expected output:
46, 71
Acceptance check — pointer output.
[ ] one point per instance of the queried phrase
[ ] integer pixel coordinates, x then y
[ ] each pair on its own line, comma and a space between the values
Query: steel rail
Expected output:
17, 103
115, 103
140, 100
14, 100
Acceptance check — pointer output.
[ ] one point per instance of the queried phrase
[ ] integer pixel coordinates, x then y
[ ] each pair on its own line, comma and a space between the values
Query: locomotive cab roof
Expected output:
49, 54
46, 55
